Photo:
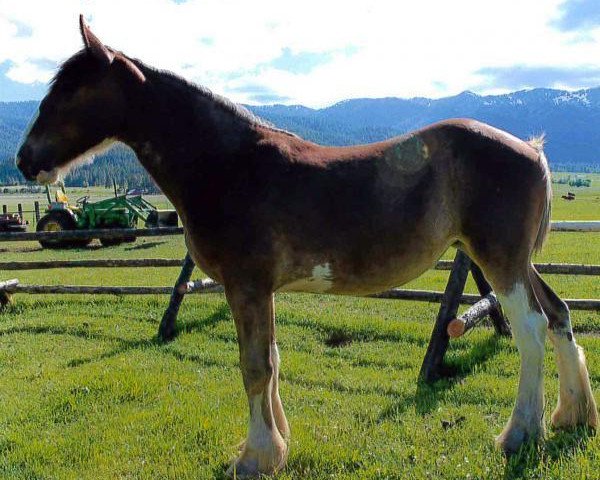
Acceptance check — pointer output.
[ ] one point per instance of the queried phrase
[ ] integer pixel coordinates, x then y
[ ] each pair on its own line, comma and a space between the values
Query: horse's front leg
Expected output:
265, 450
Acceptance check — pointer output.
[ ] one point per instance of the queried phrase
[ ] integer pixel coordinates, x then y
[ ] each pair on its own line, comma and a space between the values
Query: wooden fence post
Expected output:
20, 210
4, 209
432, 368
166, 330
36, 208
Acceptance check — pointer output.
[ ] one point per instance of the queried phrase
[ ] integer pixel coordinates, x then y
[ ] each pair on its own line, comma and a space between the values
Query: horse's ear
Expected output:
93, 44
132, 68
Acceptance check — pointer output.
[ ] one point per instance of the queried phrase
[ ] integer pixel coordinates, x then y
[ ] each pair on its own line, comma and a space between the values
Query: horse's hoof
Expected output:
514, 436
241, 470
510, 441
574, 415
251, 464
249, 469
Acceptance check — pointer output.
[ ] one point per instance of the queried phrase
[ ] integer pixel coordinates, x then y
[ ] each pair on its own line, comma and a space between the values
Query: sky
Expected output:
316, 52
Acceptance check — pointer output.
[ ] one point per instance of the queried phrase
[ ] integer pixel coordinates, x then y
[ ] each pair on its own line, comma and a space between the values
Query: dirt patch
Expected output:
338, 339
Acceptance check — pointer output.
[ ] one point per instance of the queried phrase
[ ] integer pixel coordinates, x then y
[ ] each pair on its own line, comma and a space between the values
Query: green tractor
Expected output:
120, 212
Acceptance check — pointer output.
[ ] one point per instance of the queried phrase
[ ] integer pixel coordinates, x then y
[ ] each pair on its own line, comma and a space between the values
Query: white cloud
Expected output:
426, 48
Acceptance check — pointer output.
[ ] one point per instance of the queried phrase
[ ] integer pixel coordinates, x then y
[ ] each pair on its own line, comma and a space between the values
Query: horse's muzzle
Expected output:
23, 160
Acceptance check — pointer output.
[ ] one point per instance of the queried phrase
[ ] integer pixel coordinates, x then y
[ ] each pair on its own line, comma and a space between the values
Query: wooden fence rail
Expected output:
575, 226
559, 226
80, 234
97, 263
551, 268
209, 286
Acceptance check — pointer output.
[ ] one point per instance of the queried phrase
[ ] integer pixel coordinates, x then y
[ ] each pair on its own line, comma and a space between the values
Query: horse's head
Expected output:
82, 113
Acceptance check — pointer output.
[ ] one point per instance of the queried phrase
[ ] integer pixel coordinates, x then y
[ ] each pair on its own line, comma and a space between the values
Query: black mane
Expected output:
82, 66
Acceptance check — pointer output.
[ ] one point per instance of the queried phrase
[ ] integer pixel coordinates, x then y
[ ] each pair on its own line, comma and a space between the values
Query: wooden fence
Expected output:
206, 286
447, 323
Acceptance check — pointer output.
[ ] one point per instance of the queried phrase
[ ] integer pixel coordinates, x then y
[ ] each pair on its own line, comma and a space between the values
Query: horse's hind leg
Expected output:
529, 331
576, 404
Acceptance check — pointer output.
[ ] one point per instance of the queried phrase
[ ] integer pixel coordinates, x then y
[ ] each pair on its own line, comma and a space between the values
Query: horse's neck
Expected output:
180, 133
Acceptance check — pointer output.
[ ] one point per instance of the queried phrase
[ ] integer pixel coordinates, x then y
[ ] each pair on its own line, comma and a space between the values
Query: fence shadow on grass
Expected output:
427, 397
182, 326
144, 246
125, 345
189, 327
457, 368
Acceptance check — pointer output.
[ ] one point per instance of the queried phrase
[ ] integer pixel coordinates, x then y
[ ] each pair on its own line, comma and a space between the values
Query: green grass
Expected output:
87, 391
586, 206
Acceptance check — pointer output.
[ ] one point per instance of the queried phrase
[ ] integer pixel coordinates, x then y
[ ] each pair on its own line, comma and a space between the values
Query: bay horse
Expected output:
266, 211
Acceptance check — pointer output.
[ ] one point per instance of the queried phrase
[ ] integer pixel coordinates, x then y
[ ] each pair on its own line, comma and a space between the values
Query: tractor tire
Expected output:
57, 221
111, 242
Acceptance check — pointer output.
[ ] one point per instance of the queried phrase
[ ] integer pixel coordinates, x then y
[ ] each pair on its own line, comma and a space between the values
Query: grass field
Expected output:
88, 392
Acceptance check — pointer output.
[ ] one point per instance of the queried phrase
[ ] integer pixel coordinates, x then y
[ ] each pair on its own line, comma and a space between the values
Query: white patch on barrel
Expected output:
320, 281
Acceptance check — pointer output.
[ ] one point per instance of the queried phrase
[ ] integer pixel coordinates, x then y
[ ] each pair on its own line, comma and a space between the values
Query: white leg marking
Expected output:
264, 450
275, 356
259, 435
529, 331
48, 178
576, 403
278, 413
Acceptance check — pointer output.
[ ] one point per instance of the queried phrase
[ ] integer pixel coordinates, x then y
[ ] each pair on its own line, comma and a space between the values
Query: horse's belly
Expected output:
327, 278
320, 280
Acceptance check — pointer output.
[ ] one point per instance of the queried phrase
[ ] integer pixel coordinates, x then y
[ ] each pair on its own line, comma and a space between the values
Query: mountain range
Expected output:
570, 120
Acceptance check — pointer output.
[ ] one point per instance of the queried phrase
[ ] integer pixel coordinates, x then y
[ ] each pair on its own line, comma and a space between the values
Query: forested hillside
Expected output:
571, 121
119, 164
